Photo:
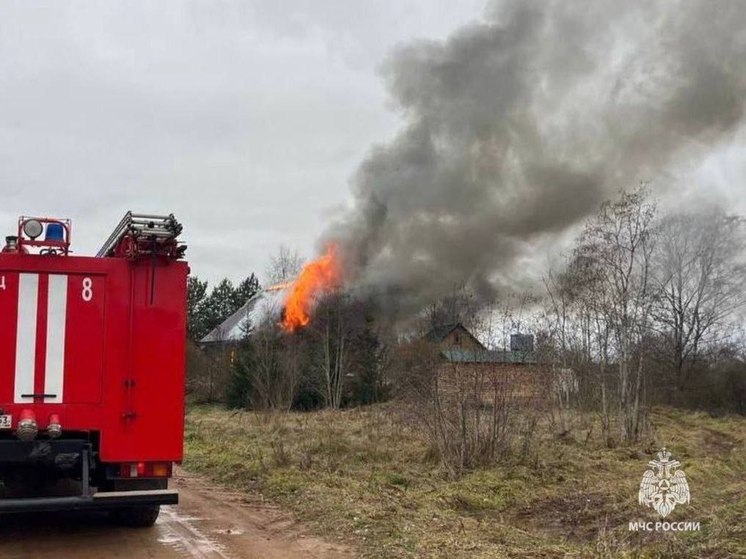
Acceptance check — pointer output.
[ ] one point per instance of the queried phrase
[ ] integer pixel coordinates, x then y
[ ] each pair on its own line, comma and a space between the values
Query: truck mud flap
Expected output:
101, 501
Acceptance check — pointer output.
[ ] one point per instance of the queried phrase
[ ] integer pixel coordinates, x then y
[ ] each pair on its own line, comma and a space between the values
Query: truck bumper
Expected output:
98, 501
72, 454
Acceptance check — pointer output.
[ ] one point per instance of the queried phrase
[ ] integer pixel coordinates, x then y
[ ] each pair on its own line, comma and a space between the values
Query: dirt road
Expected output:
209, 523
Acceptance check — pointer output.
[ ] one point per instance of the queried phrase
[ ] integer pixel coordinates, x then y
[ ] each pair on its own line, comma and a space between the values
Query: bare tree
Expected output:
334, 346
473, 406
454, 308
331, 333
594, 330
291, 363
275, 365
560, 353
616, 249
701, 280
577, 342
283, 266
265, 367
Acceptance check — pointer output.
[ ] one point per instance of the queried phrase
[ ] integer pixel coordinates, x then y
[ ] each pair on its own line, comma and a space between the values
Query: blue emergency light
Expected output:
55, 232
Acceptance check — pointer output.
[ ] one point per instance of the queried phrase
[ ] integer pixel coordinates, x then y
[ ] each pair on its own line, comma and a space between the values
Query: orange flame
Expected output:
316, 277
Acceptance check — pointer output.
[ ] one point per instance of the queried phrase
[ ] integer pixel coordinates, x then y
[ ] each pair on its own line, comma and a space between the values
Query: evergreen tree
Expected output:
206, 310
196, 295
239, 389
245, 291
220, 304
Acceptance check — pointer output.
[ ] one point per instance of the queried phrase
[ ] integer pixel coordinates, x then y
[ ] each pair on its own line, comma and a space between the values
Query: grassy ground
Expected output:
367, 477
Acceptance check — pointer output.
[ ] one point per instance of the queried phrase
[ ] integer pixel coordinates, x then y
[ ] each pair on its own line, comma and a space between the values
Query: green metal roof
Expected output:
458, 355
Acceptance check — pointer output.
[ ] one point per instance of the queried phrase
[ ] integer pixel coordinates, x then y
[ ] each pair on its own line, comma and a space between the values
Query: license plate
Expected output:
5, 421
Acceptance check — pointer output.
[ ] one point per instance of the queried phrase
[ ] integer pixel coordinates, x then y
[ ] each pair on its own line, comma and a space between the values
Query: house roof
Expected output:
440, 332
264, 304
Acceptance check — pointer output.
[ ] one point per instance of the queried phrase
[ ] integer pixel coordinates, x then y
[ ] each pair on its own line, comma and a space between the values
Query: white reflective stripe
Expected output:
56, 317
28, 297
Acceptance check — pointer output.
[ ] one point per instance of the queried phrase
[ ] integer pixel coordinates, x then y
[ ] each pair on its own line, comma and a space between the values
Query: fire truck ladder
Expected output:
151, 233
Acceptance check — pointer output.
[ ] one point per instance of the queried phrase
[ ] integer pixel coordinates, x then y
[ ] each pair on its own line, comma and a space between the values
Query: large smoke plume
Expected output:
516, 128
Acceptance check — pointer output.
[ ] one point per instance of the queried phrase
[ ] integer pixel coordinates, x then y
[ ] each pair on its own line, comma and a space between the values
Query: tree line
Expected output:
647, 308
336, 361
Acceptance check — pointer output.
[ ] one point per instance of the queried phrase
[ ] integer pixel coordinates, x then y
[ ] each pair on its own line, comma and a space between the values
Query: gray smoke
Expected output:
518, 127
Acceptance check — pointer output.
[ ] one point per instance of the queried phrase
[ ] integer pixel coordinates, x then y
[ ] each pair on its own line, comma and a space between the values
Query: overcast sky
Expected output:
245, 119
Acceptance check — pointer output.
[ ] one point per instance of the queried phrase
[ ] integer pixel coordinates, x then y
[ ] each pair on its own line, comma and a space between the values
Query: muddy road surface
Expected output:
209, 523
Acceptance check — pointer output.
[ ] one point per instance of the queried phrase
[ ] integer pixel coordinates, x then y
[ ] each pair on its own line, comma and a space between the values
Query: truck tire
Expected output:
137, 517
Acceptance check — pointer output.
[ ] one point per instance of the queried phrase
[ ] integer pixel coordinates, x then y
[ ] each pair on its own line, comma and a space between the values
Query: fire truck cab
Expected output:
92, 368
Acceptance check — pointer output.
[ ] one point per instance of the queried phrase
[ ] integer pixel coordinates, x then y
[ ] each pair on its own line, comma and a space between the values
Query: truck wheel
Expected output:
137, 517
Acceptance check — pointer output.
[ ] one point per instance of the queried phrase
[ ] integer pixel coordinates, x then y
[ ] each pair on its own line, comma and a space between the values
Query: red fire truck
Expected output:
92, 368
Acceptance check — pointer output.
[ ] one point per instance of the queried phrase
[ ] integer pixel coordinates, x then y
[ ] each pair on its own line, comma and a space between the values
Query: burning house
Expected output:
266, 304
289, 304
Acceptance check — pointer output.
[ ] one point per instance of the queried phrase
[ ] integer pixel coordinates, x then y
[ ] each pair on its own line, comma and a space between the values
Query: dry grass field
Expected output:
368, 477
